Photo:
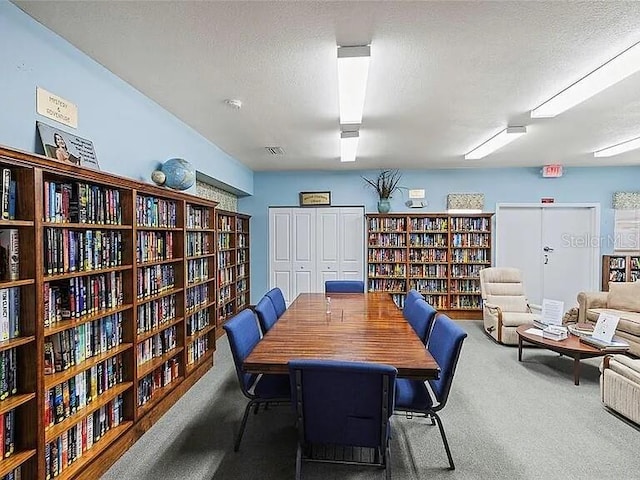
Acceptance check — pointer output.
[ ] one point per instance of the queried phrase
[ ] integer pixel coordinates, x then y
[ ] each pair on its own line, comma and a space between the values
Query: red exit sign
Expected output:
552, 171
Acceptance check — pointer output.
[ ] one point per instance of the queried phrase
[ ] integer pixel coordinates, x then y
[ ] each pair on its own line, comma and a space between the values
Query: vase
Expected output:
383, 205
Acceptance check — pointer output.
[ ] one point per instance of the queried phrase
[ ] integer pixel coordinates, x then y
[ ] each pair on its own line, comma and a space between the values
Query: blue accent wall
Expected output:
131, 133
510, 185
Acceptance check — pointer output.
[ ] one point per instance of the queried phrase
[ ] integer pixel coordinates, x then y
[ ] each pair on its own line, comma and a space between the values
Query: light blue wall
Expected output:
131, 134
578, 185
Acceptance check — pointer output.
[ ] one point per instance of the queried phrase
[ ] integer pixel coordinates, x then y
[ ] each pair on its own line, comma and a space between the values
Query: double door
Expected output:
556, 247
308, 246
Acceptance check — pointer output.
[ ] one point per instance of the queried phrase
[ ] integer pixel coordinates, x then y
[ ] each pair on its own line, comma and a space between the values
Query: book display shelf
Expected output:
438, 254
107, 307
619, 268
233, 265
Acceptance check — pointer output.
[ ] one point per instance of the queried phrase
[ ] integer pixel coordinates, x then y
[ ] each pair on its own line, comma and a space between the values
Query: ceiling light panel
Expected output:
353, 71
619, 148
504, 137
348, 146
615, 70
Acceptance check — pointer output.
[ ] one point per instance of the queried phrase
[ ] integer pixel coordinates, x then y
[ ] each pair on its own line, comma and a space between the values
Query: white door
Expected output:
351, 243
327, 233
304, 255
281, 251
554, 246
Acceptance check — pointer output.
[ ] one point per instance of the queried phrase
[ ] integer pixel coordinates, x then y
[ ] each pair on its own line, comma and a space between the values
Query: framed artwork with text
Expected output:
67, 147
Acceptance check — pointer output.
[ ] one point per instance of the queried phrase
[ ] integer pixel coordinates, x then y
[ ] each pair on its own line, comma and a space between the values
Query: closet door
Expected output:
351, 243
328, 222
281, 251
304, 251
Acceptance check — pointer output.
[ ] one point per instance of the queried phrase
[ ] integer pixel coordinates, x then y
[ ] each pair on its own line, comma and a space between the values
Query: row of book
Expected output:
387, 270
470, 255
466, 270
15, 474
197, 349
8, 194
157, 345
391, 255
471, 240
197, 296
197, 321
159, 378
435, 224
9, 313
428, 271
225, 293
387, 285
152, 246
9, 254
242, 285
8, 373
72, 444
198, 243
387, 224
73, 346
70, 250
470, 223
428, 285
243, 240
242, 271
155, 279
7, 433
428, 240
226, 275
427, 255
81, 203
226, 223
197, 270
153, 314
387, 240
225, 259
226, 310
225, 241
78, 296
155, 212
242, 255
466, 301
72, 396
197, 217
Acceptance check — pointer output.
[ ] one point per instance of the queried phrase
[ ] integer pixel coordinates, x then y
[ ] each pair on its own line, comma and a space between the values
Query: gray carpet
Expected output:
504, 420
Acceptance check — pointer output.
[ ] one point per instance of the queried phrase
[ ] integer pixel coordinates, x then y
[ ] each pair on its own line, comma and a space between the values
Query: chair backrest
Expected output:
243, 334
342, 403
266, 314
445, 344
503, 286
421, 317
344, 286
409, 301
277, 298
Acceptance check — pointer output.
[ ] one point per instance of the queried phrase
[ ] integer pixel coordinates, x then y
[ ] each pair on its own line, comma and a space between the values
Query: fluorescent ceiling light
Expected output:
348, 146
507, 135
619, 148
353, 69
616, 69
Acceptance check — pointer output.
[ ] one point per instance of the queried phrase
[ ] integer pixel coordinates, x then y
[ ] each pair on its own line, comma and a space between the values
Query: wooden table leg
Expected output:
519, 348
576, 369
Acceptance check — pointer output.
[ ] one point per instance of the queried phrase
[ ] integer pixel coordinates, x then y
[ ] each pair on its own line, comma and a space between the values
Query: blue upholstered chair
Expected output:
412, 396
410, 299
243, 334
421, 316
342, 405
266, 314
344, 286
277, 298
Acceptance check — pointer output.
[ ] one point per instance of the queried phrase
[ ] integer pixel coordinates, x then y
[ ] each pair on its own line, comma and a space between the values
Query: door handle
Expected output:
548, 249
546, 258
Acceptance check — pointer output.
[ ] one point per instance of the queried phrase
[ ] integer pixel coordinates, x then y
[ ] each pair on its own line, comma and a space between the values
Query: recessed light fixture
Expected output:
233, 103
349, 146
353, 71
618, 149
616, 69
499, 140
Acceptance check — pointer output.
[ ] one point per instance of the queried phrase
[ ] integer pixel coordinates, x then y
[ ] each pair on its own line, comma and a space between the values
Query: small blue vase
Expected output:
384, 205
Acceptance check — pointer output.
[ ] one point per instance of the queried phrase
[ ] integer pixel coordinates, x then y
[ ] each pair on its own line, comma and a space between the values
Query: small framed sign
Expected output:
314, 199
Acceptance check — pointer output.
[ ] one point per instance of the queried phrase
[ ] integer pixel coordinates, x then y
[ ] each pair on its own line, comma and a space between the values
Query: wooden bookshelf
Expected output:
116, 311
233, 264
619, 268
438, 254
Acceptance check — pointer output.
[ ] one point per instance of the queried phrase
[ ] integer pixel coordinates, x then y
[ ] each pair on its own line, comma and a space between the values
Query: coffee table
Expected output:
571, 347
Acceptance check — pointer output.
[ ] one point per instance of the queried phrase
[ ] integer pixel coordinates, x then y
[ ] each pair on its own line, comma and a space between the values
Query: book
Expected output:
612, 346
9, 254
6, 184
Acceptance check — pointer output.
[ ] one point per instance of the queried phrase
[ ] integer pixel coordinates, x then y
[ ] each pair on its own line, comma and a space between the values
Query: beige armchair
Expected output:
620, 385
505, 305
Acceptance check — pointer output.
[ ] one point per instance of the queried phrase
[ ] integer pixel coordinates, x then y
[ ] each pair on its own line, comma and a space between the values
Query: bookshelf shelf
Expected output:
432, 253
88, 243
619, 268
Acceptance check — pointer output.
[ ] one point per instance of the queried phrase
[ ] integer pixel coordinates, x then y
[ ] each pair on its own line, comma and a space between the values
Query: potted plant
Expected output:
385, 185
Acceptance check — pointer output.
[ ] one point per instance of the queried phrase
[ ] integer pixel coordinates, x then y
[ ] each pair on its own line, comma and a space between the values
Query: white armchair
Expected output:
505, 306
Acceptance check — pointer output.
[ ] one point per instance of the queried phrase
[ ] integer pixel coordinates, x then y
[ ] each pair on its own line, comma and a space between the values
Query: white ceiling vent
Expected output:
275, 150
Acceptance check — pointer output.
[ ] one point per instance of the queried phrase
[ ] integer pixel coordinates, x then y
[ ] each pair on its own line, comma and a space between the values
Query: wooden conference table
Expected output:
361, 327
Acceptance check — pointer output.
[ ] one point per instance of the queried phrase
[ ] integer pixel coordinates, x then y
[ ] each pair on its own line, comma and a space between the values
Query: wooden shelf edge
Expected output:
147, 367
14, 401
7, 465
63, 325
16, 342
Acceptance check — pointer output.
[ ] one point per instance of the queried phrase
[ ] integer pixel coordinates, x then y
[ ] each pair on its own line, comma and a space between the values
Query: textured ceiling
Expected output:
444, 76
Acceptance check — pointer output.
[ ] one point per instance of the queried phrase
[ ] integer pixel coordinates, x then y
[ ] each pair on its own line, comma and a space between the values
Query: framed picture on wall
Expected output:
315, 199
66, 147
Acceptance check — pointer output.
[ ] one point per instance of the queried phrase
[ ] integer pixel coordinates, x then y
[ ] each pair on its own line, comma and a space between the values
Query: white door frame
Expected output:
595, 213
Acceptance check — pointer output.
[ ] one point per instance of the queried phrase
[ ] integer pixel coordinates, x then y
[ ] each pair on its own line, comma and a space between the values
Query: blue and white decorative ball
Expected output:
175, 173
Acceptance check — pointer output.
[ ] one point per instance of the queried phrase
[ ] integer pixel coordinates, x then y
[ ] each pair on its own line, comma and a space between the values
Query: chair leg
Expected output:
444, 440
387, 463
243, 424
298, 461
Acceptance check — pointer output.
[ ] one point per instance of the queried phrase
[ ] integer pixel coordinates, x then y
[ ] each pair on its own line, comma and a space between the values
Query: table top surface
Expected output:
361, 327
570, 344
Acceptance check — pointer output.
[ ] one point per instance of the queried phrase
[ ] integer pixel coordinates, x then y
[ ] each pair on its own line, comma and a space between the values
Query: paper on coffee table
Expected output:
605, 327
